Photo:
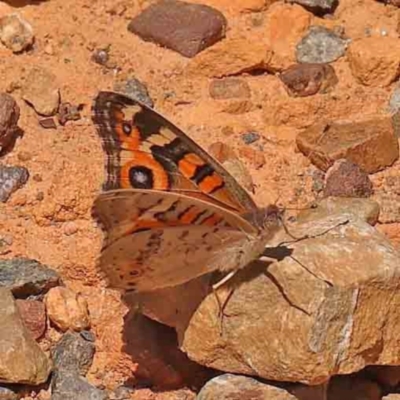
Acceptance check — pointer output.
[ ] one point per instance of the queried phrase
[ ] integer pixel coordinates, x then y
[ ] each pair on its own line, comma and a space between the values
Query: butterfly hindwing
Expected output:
146, 151
161, 257
157, 239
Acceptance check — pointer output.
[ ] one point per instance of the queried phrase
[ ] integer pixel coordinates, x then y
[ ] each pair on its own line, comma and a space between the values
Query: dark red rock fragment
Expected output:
346, 179
182, 27
33, 313
9, 115
303, 80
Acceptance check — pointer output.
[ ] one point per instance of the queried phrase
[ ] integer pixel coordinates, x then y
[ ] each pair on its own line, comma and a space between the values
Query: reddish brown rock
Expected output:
228, 88
308, 79
346, 179
230, 57
375, 61
285, 25
67, 310
33, 313
179, 26
371, 144
9, 115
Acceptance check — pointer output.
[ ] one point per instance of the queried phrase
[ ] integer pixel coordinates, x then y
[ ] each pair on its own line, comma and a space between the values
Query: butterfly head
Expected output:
268, 220
271, 218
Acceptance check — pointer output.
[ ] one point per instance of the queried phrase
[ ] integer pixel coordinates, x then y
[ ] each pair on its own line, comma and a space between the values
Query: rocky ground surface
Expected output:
300, 100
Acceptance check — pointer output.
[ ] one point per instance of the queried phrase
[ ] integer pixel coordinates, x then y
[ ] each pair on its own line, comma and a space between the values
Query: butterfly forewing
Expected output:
146, 151
126, 211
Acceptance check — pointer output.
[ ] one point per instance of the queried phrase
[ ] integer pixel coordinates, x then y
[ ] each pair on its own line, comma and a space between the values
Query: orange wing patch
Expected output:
146, 151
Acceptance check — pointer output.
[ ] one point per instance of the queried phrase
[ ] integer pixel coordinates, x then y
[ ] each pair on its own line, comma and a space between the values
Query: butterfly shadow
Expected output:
154, 345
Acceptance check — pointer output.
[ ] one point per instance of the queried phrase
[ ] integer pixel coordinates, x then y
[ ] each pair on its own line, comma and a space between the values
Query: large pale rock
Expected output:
370, 144
21, 359
328, 307
375, 61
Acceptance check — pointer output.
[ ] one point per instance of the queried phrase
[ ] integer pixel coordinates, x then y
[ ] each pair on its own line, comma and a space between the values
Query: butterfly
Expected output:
170, 211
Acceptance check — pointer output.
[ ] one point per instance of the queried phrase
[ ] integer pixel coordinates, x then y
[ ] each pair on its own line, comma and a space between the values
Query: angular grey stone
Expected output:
134, 89
318, 6
74, 353
320, 45
71, 386
25, 277
250, 137
11, 179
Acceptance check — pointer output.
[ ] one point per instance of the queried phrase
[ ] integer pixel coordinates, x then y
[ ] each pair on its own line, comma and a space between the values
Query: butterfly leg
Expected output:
222, 304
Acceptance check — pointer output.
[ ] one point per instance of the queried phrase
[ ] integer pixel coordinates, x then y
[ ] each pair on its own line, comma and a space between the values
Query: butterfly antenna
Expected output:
295, 240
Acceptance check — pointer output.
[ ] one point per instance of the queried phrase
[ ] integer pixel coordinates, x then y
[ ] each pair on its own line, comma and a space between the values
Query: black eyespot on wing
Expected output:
141, 177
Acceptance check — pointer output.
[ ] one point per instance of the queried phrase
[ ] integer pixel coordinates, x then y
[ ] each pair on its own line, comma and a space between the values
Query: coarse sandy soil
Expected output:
49, 219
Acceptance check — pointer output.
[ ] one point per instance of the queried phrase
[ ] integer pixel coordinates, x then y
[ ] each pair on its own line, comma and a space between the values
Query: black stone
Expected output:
71, 386
74, 353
